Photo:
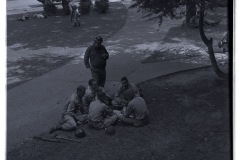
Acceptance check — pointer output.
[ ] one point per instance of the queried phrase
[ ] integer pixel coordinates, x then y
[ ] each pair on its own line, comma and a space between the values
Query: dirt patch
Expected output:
189, 117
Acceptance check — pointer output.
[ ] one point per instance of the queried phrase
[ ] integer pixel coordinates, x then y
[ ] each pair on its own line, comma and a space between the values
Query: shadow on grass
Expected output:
28, 69
58, 31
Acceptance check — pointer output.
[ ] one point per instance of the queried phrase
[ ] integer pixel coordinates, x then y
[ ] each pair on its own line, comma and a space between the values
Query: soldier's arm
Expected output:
87, 99
128, 111
118, 91
86, 58
136, 90
106, 54
72, 107
65, 108
107, 110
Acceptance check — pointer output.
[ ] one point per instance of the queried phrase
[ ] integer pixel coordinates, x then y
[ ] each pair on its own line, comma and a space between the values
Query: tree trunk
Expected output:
209, 44
190, 10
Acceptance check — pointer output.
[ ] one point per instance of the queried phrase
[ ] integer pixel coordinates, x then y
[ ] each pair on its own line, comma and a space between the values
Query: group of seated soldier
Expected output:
93, 106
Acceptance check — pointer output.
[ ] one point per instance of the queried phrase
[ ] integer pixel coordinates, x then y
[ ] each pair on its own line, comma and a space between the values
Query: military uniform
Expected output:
100, 115
73, 112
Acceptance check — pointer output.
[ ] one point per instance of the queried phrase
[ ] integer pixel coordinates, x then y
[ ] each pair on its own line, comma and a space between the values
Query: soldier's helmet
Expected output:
110, 130
80, 133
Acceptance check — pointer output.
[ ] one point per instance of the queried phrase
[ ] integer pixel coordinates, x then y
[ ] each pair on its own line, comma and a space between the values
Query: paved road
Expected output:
35, 106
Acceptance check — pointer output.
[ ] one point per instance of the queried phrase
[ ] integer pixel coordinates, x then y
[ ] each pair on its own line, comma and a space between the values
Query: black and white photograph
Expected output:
119, 79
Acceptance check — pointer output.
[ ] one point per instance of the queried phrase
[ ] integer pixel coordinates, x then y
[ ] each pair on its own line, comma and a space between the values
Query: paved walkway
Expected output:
35, 106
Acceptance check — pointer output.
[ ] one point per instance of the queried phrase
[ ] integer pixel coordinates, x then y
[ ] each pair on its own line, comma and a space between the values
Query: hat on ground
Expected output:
110, 130
80, 133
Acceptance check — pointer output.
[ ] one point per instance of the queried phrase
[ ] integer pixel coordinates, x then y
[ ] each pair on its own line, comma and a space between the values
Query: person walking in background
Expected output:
95, 58
223, 43
74, 13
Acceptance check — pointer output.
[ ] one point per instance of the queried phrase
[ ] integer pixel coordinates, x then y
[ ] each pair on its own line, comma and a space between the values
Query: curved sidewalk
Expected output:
35, 106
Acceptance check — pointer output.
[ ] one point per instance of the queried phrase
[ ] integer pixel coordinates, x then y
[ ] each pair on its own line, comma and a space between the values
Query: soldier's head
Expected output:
81, 91
129, 94
100, 96
93, 84
124, 82
98, 41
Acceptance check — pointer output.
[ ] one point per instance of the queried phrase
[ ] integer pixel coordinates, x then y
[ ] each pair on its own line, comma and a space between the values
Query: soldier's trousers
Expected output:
133, 122
104, 124
69, 123
99, 76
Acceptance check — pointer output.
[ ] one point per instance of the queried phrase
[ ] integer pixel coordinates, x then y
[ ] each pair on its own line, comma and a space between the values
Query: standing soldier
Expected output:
95, 58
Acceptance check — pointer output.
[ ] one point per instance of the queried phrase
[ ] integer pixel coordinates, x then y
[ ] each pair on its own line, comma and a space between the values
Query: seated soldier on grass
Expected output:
100, 115
136, 112
119, 101
73, 112
90, 94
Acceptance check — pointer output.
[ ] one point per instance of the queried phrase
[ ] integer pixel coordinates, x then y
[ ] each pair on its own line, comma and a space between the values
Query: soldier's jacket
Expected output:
120, 92
73, 105
90, 95
98, 111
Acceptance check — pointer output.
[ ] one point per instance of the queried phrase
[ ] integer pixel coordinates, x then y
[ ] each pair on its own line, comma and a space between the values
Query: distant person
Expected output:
73, 111
119, 101
223, 43
75, 15
95, 58
194, 21
136, 112
100, 115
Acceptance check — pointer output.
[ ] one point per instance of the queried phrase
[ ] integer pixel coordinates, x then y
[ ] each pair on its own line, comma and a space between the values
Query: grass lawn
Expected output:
189, 119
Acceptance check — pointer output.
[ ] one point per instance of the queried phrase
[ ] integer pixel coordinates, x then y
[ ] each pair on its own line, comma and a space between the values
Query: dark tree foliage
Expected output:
209, 43
190, 10
85, 6
102, 6
157, 9
66, 9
